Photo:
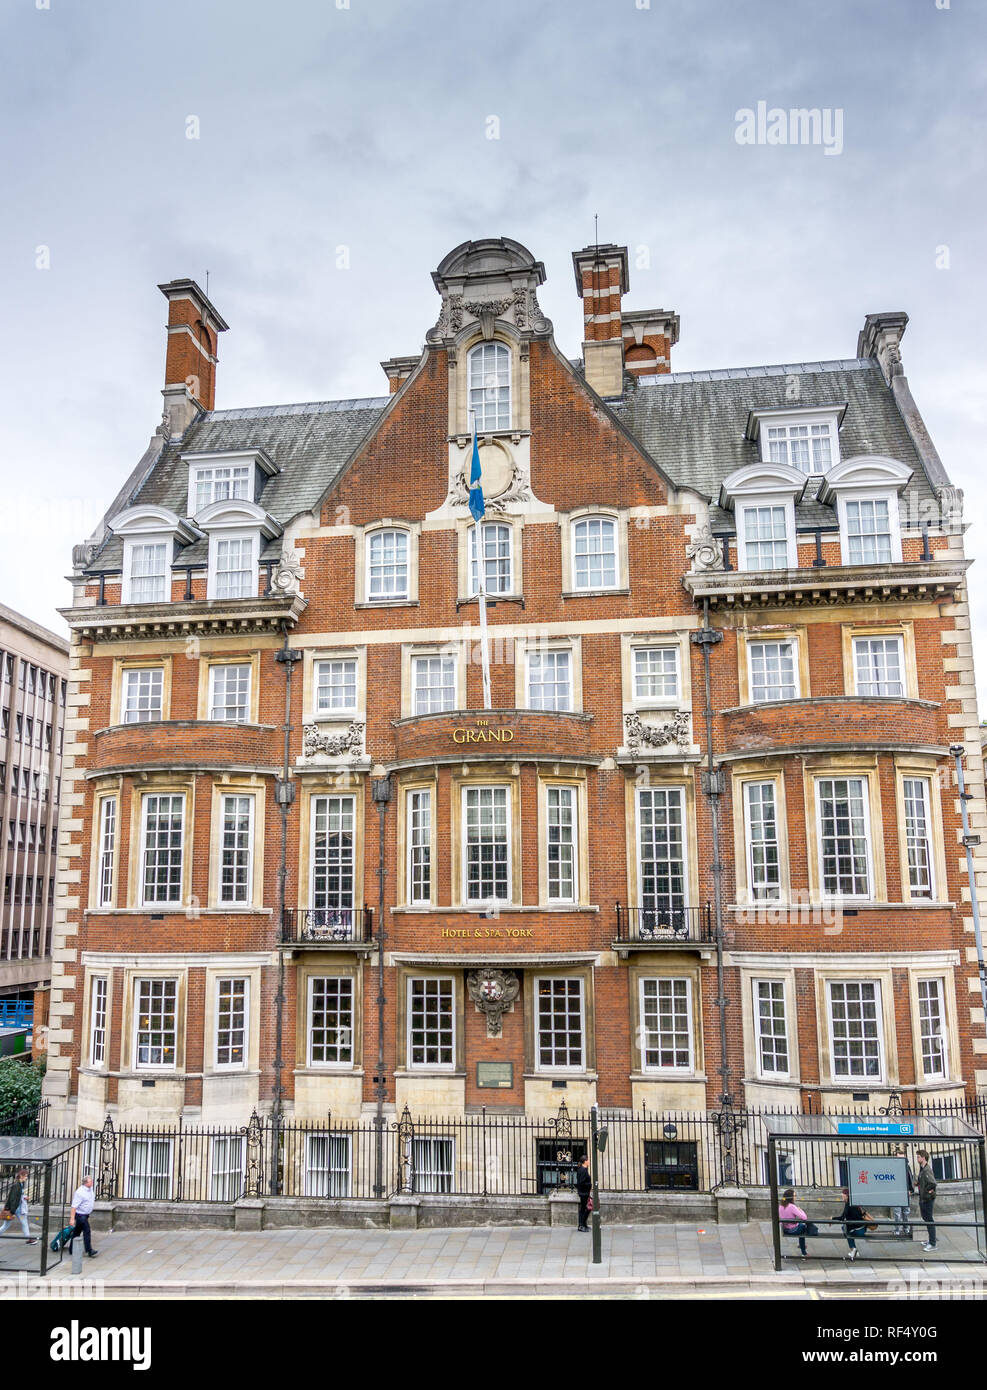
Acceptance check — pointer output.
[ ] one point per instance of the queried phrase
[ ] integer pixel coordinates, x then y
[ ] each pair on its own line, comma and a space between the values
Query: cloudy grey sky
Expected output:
365, 125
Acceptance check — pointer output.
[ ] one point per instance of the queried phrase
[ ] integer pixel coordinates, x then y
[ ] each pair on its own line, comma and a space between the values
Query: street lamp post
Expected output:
598, 1144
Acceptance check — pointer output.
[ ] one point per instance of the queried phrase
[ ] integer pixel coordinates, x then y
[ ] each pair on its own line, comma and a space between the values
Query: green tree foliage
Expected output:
20, 1087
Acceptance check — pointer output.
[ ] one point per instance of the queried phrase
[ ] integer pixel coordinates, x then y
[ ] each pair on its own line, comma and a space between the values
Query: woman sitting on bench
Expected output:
854, 1223
794, 1221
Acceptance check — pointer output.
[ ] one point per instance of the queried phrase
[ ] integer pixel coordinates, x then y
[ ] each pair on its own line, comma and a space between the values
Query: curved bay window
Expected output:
332, 865
487, 859
490, 387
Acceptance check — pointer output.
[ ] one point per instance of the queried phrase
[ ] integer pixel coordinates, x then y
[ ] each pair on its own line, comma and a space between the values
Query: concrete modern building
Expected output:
33, 681
701, 841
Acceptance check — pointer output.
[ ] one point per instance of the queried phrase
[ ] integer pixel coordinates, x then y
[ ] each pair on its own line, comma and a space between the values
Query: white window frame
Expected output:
783, 504
582, 520
930, 849
149, 1144
752, 643
227, 1153
868, 842
752, 886
653, 1068
337, 1063
466, 791
477, 409
238, 489
894, 522
244, 1028
223, 535
656, 701
447, 660
570, 790
679, 792
327, 712
811, 420
447, 980
899, 641
163, 539
216, 667
106, 863
538, 651
769, 1073
563, 1068
221, 898
940, 984
99, 991
422, 796
329, 1180
486, 526
375, 535
145, 901
861, 1080
313, 819
132, 675
151, 980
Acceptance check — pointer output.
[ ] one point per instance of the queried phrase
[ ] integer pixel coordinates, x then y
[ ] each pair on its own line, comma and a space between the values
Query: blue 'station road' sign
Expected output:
876, 1127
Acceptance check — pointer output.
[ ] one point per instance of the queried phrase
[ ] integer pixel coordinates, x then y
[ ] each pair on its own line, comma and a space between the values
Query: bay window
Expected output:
487, 847
162, 849
156, 1023
418, 830
916, 792
844, 847
561, 843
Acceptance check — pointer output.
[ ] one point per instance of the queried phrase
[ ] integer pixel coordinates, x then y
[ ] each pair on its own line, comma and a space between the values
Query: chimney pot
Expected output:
194, 325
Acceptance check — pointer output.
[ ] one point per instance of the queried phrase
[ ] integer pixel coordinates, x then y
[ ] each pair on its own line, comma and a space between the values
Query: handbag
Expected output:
589, 1203
6, 1215
872, 1225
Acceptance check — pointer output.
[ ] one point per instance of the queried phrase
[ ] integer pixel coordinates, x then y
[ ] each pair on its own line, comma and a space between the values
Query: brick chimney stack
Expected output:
601, 281
194, 326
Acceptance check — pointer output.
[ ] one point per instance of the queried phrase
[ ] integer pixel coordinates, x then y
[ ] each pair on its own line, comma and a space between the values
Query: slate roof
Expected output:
309, 443
693, 424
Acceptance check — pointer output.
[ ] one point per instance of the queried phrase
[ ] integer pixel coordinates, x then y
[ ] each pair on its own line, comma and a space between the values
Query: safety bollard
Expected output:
78, 1246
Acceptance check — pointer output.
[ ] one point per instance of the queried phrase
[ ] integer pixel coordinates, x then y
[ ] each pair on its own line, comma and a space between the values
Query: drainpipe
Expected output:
712, 785
381, 789
285, 796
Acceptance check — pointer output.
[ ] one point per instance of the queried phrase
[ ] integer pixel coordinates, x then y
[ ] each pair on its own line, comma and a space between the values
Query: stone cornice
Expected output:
201, 617
811, 588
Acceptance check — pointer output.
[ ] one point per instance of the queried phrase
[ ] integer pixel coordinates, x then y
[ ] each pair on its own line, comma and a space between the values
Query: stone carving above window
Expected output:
704, 550
316, 741
640, 736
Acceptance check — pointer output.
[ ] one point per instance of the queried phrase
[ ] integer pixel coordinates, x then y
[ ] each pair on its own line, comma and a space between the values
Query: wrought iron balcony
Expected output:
664, 924
326, 926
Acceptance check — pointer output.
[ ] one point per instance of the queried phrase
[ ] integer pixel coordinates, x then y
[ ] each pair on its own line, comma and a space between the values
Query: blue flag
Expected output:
477, 508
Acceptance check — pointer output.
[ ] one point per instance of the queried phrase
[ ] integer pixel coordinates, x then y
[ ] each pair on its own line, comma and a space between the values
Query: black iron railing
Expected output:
665, 921
326, 924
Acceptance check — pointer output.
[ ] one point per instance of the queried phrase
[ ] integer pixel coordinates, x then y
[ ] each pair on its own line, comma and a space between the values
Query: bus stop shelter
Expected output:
856, 1151
49, 1193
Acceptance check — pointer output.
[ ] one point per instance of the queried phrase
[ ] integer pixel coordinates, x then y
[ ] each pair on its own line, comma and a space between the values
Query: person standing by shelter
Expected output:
927, 1197
900, 1215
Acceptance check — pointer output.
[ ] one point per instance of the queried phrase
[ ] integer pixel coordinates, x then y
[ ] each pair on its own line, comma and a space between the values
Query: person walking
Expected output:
900, 1215
794, 1221
584, 1189
927, 1197
82, 1204
854, 1223
16, 1206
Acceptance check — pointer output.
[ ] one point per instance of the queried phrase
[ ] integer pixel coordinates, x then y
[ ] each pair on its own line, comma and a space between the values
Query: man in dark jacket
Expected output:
584, 1187
927, 1197
16, 1206
899, 1215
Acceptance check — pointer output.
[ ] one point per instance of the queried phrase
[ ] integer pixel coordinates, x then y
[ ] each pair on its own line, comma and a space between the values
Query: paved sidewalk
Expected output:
509, 1262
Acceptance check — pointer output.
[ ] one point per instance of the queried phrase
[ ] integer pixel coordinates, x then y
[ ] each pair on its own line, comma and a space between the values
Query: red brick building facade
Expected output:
730, 650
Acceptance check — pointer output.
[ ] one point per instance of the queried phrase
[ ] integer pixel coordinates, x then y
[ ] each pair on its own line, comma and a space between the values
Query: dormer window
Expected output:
225, 476
148, 572
865, 492
236, 531
149, 534
763, 497
807, 439
489, 367
217, 485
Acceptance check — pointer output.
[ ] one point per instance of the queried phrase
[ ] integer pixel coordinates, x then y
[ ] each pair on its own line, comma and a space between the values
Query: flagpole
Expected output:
481, 596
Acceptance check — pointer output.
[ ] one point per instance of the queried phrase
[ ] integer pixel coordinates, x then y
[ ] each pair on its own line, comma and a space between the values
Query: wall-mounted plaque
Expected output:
496, 1075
